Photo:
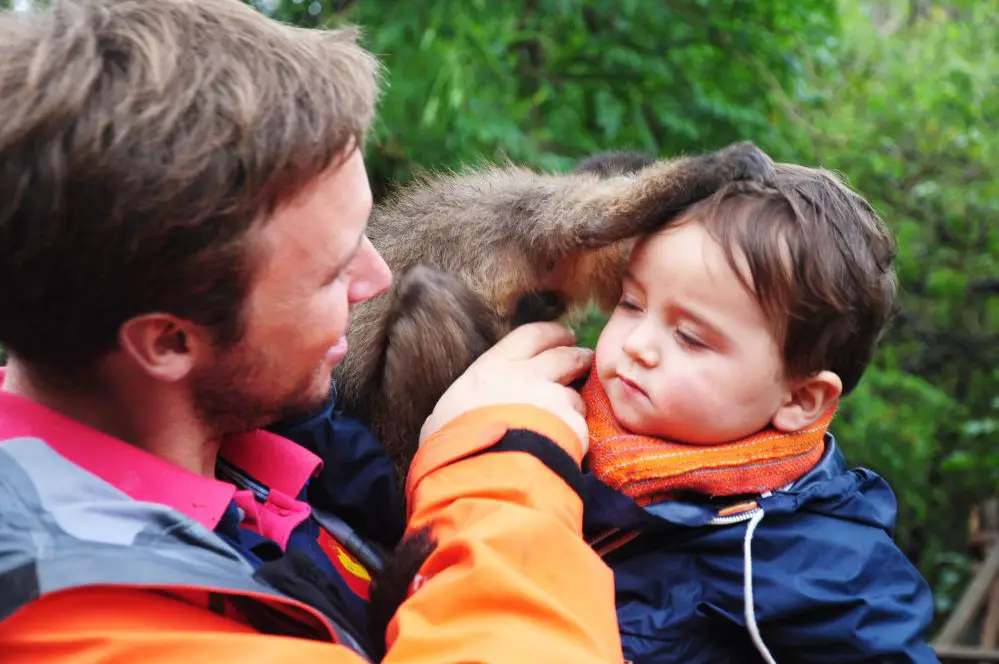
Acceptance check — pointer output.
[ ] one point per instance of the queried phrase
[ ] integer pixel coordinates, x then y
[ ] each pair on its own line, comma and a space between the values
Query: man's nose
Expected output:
374, 275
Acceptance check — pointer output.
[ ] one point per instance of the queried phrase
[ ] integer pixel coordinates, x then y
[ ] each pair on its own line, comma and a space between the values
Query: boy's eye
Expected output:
627, 305
688, 340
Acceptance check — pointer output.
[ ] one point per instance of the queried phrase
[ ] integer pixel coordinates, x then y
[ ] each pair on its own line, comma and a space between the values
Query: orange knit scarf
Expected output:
650, 470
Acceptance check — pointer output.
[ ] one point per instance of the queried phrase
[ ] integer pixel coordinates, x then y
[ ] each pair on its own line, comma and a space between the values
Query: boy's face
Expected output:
688, 353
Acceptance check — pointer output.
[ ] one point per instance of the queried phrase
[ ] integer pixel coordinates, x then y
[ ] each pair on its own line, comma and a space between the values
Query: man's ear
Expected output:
164, 346
807, 400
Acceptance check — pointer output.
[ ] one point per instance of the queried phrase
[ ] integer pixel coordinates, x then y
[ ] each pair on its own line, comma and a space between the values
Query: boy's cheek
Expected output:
608, 346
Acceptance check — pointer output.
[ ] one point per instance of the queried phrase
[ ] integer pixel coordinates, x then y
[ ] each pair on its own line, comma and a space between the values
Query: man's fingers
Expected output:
576, 401
576, 418
563, 364
528, 340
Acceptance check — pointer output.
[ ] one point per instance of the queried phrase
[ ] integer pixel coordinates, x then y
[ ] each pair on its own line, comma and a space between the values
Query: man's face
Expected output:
688, 353
314, 262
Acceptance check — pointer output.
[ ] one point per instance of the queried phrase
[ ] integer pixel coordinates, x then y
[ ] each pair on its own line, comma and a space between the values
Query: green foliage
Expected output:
544, 82
910, 117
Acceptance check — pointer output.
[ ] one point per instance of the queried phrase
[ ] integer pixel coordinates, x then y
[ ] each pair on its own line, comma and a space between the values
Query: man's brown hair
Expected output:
820, 264
140, 141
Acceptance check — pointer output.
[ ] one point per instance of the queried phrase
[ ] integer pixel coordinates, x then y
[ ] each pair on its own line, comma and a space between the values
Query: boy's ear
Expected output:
807, 400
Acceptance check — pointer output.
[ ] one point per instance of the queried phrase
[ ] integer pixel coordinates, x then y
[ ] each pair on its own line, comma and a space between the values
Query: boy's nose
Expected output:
640, 347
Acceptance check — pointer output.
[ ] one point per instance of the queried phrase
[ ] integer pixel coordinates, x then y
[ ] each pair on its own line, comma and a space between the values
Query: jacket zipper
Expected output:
735, 518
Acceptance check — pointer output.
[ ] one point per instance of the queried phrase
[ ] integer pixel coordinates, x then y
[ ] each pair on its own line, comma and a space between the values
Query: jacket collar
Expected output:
275, 461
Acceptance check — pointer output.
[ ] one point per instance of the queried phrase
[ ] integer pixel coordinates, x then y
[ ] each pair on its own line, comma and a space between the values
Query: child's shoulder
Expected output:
812, 576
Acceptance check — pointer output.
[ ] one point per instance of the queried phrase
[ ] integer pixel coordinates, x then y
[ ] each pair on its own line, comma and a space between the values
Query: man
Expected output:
183, 205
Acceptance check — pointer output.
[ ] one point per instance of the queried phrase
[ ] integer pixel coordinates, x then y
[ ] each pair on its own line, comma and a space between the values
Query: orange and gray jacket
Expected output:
89, 574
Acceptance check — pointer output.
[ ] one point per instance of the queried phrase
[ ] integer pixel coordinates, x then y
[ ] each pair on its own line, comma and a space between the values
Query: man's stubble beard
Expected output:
234, 394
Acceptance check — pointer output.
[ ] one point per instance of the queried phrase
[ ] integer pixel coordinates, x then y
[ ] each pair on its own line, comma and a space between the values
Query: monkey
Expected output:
479, 252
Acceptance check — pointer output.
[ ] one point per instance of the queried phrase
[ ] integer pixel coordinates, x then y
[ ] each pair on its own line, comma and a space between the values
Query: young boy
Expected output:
724, 506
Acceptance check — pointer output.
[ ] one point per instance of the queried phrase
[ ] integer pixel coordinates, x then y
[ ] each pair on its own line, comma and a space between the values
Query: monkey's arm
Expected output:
553, 214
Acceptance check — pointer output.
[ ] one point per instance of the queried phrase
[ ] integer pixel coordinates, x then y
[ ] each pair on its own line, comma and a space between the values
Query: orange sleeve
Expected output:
511, 579
97, 624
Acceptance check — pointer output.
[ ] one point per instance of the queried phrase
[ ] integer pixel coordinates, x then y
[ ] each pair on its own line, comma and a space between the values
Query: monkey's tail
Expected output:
391, 586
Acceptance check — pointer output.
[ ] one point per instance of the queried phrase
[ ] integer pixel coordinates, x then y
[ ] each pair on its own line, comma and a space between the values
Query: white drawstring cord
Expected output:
747, 558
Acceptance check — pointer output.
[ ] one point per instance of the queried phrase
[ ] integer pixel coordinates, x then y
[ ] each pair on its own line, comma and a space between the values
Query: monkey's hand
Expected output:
739, 161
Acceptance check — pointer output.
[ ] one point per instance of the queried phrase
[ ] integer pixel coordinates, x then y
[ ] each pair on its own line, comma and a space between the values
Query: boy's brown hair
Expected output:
820, 264
140, 142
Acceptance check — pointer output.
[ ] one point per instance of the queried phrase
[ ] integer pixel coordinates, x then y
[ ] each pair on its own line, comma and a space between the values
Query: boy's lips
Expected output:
632, 385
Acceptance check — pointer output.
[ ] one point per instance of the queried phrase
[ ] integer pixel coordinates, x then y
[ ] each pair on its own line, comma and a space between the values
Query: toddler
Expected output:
716, 492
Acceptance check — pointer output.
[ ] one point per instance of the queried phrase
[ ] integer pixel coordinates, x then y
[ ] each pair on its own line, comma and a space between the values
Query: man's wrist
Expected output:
476, 430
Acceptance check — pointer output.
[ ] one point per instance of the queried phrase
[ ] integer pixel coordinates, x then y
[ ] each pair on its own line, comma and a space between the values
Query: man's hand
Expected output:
533, 364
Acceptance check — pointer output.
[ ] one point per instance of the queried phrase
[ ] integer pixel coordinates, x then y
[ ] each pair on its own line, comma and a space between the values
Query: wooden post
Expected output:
971, 602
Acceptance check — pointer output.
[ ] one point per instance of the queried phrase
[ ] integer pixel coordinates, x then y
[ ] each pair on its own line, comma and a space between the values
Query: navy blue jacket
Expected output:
826, 581
357, 485
358, 481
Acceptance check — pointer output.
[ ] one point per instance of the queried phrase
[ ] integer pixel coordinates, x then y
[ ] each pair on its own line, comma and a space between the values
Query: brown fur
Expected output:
477, 253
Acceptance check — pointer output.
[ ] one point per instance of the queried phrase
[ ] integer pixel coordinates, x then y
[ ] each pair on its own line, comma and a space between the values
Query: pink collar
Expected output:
275, 461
